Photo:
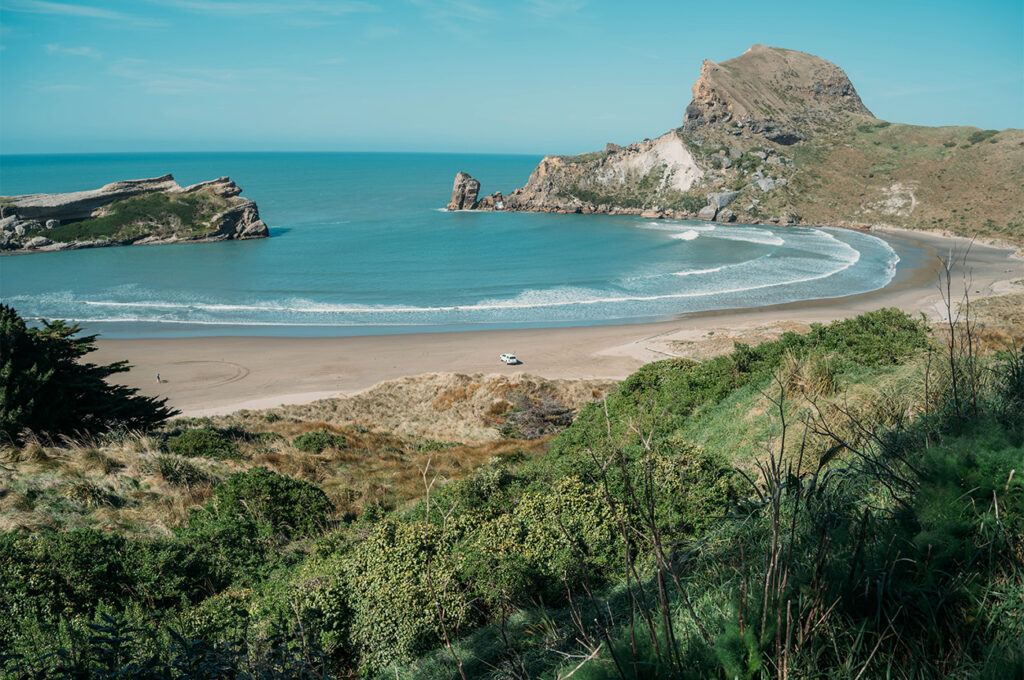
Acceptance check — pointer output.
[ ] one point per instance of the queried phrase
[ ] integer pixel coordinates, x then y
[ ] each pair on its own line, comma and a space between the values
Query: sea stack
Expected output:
464, 192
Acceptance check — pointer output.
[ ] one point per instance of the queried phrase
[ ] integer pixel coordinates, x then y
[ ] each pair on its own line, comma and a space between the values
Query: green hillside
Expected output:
843, 503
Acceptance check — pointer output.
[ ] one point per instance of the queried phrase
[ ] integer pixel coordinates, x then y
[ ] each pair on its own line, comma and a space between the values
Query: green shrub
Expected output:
250, 517
317, 442
51, 575
396, 578
205, 442
979, 136
291, 507
690, 203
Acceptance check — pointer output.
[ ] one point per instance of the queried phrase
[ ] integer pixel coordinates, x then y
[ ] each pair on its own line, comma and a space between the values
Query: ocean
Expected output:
361, 244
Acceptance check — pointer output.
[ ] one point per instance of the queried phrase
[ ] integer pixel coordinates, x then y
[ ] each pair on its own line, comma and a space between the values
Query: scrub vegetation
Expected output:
836, 504
157, 214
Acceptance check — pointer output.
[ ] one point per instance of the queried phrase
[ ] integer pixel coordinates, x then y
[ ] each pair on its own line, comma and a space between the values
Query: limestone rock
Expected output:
766, 184
725, 216
238, 218
666, 162
722, 199
707, 213
241, 221
493, 202
652, 214
222, 186
78, 205
464, 192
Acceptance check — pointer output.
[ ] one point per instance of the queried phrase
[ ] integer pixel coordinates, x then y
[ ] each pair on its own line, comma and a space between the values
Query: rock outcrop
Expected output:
783, 95
464, 192
782, 136
109, 216
79, 205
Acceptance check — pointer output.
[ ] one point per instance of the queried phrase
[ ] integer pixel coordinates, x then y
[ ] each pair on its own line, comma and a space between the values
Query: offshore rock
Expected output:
221, 215
493, 202
464, 192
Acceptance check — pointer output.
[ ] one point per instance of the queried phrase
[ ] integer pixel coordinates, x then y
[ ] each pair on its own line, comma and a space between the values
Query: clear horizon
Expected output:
534, 77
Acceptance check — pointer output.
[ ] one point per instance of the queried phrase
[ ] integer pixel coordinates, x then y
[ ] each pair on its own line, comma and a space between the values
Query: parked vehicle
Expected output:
509, 359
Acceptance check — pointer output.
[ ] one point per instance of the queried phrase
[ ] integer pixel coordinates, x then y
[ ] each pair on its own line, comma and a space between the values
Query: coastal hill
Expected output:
132, 212
781, 136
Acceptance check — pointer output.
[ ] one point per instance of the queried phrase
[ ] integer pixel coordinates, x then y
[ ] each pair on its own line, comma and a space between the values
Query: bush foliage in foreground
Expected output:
627, 552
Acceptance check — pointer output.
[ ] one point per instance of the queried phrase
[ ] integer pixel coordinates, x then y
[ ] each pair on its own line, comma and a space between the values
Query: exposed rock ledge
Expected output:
120, 214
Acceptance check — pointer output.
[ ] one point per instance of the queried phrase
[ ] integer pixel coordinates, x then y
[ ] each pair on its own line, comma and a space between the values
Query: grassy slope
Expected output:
964, 180
721, 404
133, 484
161, 215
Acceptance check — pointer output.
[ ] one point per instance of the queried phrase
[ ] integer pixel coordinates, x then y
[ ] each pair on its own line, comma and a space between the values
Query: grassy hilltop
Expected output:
840, 503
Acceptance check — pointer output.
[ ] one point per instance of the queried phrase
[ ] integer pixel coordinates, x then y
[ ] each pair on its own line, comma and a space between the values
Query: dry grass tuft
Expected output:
439, 406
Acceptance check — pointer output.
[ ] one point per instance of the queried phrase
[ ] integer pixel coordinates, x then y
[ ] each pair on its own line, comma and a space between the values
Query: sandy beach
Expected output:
213, 375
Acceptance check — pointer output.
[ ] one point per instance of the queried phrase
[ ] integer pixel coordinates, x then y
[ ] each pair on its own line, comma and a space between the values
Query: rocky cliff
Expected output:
782, 136
132, 212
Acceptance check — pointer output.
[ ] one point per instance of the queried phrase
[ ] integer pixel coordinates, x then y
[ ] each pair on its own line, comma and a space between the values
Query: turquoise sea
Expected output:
360, 244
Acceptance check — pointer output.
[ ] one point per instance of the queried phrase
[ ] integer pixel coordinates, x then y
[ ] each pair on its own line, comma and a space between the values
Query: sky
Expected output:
466, 76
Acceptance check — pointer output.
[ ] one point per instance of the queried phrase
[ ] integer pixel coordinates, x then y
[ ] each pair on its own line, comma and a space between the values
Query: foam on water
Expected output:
687, 235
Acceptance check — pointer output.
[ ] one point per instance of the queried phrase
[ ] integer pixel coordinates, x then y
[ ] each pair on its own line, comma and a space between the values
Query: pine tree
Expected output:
46, 388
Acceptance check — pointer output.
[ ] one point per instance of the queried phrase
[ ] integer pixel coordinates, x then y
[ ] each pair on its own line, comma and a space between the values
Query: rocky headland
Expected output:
781, 136
132, 212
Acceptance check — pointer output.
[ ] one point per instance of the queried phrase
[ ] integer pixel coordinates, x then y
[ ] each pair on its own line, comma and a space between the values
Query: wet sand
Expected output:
211, 375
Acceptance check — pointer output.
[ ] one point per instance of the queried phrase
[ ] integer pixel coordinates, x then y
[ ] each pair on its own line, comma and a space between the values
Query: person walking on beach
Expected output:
158, 378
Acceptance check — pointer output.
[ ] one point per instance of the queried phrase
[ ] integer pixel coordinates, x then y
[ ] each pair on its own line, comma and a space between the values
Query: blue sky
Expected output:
531, 76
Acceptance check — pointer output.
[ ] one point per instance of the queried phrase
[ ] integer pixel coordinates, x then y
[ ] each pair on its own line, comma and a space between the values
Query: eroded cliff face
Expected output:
785, 136
784, 95
130, 212
618, 179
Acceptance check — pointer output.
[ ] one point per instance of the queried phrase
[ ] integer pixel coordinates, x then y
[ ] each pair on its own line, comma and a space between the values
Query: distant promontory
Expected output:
132, 212
780, 136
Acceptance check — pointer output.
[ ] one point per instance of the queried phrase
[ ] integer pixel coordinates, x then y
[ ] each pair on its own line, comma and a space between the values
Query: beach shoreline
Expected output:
215, 375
